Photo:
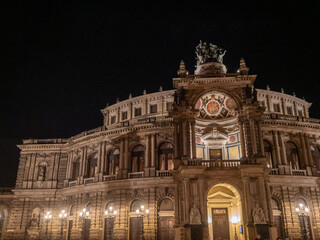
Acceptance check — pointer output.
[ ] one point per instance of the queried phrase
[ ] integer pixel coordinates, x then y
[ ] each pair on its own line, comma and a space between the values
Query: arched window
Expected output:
75, 169
165, 219
42, 170
92, 165
165, 161
292, 155
277, 217
88, 207
315, 156
136, 204
268, 153
302, 210
71, 211
166, 204
113, 166
137, 159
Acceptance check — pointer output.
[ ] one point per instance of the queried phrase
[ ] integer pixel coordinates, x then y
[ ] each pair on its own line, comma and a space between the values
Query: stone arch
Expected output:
234, 96
268, 151
138, 158
165, 156
4, 217
292, 153
224, 202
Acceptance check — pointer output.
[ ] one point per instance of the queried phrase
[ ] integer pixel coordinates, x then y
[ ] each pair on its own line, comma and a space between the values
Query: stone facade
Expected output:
212, 151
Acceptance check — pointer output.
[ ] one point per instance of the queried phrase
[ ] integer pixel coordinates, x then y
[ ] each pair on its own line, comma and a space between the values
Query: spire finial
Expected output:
268, 88
130, 95
182, 72
160, 89
244, 70
282, 91
144, 92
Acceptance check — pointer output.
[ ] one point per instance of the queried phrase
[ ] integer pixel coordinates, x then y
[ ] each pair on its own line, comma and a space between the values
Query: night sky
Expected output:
61, 62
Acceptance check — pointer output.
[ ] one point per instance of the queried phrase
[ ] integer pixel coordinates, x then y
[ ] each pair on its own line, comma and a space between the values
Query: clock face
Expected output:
215, 105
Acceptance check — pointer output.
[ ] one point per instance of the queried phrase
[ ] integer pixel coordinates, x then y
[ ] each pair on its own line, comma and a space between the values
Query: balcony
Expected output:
214, 163
164, 173
136, 175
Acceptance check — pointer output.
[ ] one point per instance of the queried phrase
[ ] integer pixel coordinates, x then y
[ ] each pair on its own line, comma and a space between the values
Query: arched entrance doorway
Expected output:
225, 218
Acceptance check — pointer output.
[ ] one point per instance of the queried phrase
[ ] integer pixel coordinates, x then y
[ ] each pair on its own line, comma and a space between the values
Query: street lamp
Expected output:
84, 214
62, 216
110, 215
142, 212
47, 218
235, 220
303, 212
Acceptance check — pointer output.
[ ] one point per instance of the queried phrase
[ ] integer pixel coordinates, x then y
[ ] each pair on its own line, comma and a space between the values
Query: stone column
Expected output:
147, 153
153, 156
242, 140
260, 139
184, 139
253, 137
276, 146
126, 157
186, 198
193, 140
304, 150
121, 158
283, 149
309, 150
176, 155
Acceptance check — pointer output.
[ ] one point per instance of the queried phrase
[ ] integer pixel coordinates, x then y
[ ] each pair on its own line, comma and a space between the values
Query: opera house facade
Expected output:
213, 158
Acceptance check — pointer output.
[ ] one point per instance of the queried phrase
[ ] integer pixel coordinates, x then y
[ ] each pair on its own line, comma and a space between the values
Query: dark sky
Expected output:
61, 62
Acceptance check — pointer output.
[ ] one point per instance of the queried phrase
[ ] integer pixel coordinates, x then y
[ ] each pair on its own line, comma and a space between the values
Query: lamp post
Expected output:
235, 221
84, 214
62, 216
110, 215
47, 218
302, 212
142, 212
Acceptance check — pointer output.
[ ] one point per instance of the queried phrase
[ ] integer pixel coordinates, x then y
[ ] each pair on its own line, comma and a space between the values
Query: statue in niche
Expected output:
195, 216
258, 215
42, 172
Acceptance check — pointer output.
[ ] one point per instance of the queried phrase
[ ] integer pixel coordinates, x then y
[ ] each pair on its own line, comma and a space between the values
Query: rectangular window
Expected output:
276, 107
153, 108
262, 104
113, 119
124, 115
137, 112
300, 113
289, 111
169, 106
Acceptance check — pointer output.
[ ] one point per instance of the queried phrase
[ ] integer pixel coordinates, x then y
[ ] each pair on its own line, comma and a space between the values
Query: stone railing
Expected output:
298, 172
72, 183
274, 171
214, 163
5, 190
136, 175
88, 180
164, 173
109, 178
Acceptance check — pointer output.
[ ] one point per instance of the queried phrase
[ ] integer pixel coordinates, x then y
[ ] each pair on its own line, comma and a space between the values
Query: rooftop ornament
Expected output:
209, 59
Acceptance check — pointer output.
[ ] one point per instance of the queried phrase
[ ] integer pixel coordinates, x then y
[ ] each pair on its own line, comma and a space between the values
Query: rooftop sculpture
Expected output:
209, 53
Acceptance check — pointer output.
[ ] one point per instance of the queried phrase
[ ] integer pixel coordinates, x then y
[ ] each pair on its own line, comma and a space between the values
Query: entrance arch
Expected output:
224, 207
